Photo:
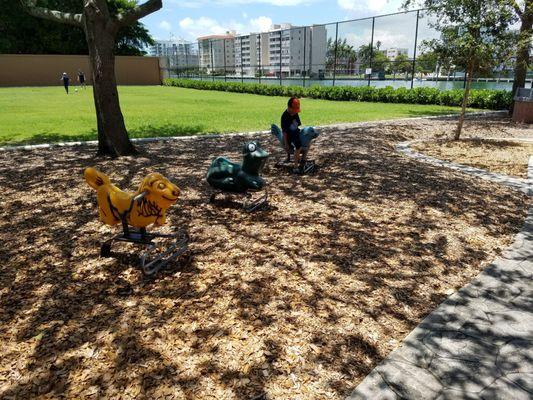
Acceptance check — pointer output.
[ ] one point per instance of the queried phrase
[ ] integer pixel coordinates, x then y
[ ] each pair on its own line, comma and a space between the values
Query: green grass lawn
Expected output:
47, 114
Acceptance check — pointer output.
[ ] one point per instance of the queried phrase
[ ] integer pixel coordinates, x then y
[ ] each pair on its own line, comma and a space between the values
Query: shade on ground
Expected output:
298, 301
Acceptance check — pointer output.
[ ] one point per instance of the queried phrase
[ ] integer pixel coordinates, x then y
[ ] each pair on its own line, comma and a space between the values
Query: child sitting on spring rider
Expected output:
292, 138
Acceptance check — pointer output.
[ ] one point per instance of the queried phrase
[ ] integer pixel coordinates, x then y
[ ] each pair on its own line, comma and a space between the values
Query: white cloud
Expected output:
201, 26
165, 25
193, 28
390, 39
260, 24
375, 6
244, 15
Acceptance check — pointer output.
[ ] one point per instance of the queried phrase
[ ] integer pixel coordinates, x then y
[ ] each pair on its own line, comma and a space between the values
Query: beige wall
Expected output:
46, 70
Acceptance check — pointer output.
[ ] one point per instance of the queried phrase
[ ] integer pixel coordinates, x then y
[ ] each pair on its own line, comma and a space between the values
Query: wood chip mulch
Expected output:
503, 157
299, 301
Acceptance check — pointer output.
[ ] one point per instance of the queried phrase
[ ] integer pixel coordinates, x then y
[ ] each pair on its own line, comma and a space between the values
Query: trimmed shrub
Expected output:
479, 98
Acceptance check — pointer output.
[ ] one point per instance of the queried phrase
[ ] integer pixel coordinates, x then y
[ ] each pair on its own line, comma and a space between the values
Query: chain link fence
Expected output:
385, 50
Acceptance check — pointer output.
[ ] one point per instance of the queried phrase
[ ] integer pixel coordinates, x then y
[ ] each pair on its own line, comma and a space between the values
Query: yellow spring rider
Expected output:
146, 206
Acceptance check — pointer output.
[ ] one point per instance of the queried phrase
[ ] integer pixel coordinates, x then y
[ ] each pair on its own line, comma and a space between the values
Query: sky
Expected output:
189, 19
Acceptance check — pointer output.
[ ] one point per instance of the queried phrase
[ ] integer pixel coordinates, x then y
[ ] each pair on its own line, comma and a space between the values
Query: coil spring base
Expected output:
150, 260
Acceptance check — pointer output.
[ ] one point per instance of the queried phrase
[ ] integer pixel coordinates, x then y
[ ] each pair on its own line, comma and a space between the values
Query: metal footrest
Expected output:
309, 167
249, 204
152, 263
151, 260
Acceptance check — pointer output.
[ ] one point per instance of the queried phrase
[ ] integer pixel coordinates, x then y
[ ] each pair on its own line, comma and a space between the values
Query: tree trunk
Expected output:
104, 147
466, 95
522, 56
112, 135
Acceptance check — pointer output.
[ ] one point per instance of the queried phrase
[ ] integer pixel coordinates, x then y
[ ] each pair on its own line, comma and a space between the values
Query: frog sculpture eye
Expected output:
251, 147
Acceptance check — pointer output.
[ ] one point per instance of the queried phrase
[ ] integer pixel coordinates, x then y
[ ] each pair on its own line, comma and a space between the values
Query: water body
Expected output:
396, 83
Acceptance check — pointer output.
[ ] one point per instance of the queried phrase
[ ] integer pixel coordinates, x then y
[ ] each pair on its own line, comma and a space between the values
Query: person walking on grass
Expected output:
290, 123
65, 80
81, 78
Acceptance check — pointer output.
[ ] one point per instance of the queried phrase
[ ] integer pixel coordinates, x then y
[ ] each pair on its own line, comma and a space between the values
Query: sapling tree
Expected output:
101, 25
474, 36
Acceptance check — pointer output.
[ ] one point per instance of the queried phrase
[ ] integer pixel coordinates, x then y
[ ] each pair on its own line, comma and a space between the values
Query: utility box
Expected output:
523, 106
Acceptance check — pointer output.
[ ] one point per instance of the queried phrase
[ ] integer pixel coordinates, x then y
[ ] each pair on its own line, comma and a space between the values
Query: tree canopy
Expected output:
427, 62
372, 56
21, 33
402, 64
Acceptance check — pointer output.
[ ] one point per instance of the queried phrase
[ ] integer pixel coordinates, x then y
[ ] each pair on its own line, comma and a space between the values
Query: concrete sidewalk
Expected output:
478, 344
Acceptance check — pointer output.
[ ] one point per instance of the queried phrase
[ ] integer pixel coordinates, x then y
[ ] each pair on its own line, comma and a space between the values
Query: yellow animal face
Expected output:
159, 190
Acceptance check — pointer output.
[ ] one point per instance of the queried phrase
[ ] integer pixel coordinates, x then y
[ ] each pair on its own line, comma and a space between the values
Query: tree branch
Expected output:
138, 12
52, 15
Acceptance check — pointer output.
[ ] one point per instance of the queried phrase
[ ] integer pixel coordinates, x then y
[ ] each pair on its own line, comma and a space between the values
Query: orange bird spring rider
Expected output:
144, 207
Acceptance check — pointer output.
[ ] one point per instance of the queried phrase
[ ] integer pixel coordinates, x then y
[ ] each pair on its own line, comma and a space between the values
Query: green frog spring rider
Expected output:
227, 177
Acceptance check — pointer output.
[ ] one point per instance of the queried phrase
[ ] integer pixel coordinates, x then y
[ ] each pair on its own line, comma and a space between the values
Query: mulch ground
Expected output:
503, 157
299, 301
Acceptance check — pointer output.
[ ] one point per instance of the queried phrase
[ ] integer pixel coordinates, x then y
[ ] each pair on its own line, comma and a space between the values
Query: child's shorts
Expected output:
294, 139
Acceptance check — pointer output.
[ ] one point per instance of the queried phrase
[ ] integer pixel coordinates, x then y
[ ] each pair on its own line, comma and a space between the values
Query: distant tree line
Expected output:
351, 60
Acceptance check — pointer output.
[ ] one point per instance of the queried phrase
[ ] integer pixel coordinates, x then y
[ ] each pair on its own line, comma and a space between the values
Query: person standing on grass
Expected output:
81, 78
65, 80
290, 123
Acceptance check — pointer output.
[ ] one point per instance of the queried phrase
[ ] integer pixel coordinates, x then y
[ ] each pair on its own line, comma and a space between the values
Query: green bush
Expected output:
479, 98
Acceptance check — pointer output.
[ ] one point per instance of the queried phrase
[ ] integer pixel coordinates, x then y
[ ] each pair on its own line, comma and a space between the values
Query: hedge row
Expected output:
479, 98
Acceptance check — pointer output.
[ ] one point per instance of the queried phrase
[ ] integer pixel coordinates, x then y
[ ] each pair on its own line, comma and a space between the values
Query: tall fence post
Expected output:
242, 70
371, 49
225, 73
186, 61
259, 59
304, 72
212, 62
280, 63
335, 53
414, 52
199, 61
201, 49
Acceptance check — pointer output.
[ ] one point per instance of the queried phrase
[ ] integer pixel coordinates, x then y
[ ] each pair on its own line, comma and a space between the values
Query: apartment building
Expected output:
284, 50
180, 52
394, 52
217, 53
248, 57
